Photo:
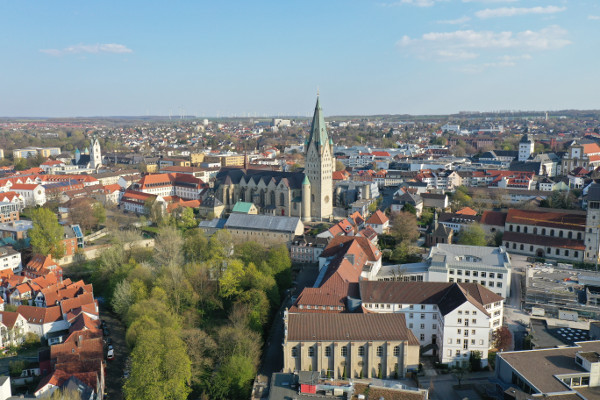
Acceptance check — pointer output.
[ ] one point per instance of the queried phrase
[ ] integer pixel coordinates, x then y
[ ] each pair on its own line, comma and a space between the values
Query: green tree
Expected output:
473, 235
99, 212
185, 219
160, 368
195, 245
126, 294
46, 234
231, 279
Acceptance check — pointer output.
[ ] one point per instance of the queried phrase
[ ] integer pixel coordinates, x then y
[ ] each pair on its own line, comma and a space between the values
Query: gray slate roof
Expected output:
262, 223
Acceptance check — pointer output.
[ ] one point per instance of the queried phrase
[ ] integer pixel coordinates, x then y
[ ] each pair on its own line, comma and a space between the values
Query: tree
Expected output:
126, 294
475, 360
46, 234
503, 338
473, 235
461, 199
154, 210
99, 212
82, 212
184, 217
404, 226
460, 372
168, 247
231, 279
195, 245
160, 368
65, 394
339, 166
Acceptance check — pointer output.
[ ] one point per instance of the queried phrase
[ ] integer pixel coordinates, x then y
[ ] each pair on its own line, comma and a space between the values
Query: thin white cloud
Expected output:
456, 21
418, 3
468, 43
489, 1
594, 17
111, 48
515, 11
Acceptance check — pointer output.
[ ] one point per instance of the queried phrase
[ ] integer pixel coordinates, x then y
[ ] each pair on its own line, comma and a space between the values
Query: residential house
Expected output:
307, 249
379, 222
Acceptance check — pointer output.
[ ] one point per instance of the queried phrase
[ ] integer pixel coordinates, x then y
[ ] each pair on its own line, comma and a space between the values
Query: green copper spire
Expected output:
306, 181
318, 132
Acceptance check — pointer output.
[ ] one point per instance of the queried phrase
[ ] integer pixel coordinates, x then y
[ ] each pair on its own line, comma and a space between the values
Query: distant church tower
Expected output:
592, 225
319, 168
95, 154
526, 147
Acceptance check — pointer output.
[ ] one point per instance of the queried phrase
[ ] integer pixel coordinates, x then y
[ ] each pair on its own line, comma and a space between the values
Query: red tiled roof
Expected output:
590, 148
40, 315
9, 318
467, 211
495, 218
550, 219
378, 218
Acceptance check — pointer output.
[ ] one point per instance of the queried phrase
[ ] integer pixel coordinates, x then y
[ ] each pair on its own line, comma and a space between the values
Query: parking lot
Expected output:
114, 369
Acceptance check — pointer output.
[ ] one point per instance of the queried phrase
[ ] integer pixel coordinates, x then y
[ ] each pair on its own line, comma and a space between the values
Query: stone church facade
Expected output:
307, 194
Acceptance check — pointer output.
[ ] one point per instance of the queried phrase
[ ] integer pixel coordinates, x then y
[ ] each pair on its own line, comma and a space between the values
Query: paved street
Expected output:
442, 386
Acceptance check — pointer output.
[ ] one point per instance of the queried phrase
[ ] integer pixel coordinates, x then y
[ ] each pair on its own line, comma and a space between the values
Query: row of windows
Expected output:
422, 326
410, 306
566, 252
482, 283
491, 275
411, 315
458, 340
460, 321
543, 231
344, 351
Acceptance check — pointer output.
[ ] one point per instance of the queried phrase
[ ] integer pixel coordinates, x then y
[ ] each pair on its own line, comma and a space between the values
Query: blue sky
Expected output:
212, 58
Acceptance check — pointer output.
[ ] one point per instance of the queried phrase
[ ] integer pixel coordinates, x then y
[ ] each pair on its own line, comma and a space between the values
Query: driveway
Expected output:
114, 369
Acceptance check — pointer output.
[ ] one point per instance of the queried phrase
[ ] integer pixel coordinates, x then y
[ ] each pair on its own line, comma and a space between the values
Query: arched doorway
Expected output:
540, 253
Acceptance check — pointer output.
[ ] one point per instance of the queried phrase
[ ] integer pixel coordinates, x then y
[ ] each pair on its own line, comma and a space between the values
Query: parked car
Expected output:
110, 347
110, 355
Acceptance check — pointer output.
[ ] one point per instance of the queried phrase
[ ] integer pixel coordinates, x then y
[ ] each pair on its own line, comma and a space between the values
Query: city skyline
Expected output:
270, 58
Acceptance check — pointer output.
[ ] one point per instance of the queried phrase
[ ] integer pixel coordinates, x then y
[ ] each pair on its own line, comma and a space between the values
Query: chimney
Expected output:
79, 341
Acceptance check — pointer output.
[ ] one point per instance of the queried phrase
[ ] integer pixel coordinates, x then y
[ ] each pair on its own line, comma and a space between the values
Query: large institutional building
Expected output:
307, 194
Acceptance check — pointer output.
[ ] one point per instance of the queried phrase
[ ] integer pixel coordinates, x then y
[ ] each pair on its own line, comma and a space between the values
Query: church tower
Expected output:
319, 168
95, 154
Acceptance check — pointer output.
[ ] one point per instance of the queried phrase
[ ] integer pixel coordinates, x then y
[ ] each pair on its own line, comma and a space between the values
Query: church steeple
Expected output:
318, 130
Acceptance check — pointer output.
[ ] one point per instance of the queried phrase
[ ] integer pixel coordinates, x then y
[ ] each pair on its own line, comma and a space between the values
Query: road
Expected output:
114, 369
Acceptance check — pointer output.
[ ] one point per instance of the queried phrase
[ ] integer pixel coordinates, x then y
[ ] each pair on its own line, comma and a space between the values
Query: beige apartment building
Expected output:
344, 345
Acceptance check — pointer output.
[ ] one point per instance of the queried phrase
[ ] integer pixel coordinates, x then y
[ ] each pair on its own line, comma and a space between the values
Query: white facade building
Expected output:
450, 320
10, 259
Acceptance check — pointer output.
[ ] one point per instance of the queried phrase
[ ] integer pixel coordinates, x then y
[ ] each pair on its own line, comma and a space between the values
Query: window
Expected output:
500, 276
451, 272
422, 316
327, 351
361, 350
474, 321
450, 280
449, 341
449, 353
410, 326
460, 320
466, 345
459, 272
491, 283
459, 280
492, 275
434, 326
473, 341
474, 312
344, 351
311, 351
466, 312
379, 351
498, 284
475, 273
411, 306
458, 331
457, 354
422, 326
295, 351
396, 351
410, 315
434, 316
422, 337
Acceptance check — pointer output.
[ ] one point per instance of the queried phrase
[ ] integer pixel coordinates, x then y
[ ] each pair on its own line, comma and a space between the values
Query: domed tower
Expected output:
526, 148
319, 168
305, 199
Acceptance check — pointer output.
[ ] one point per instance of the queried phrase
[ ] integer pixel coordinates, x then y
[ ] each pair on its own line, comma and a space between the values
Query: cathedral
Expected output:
307, 194
89, 159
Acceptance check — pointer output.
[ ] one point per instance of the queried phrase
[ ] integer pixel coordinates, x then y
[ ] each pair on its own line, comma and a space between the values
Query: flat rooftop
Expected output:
540, 366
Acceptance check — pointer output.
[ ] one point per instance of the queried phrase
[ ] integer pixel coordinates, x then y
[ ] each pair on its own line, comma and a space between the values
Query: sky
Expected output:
255, 58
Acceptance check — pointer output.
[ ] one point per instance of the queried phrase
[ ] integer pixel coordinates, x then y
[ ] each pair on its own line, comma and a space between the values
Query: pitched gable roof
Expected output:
378, 218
